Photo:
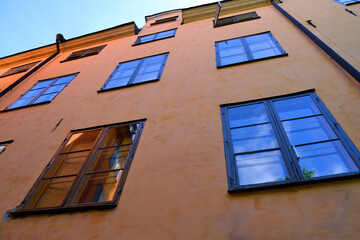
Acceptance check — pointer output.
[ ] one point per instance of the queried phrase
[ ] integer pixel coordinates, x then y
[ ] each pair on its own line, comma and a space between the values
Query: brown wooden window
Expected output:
19, 69
84, 53
87, 172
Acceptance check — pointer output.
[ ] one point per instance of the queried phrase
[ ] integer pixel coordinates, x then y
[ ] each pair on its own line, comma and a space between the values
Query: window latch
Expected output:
297, 154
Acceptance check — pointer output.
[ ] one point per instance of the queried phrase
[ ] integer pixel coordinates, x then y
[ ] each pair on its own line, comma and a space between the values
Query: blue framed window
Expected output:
285, 140
43, 91
136, 72
347, 2
247, 49
155, 36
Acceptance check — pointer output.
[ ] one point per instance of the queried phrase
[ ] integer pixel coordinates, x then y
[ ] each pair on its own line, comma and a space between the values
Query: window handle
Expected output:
297, 154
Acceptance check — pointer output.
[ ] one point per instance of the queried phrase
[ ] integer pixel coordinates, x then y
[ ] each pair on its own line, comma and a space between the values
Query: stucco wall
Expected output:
177, 184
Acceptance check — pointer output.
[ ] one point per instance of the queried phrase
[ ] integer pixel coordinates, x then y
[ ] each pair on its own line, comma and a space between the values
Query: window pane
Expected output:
81, 141
231, 51
42, 84
131, 64
253, 138
165, 34
258, 38
21, 103
2, 148
324, 159
97, 187
64, 80
261, 46
124, 73
146, 77
67, 164
229, 43
119, 136
154, 59
33, 93
261, 168
109, 159
296, 107
265, 53
308, 130
147, 38
117, 83
54, 89
247, 115
233, 59
150, 68
50, 193
45, 98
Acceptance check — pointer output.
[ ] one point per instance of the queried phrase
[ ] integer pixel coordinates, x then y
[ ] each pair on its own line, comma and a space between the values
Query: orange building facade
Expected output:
191, 127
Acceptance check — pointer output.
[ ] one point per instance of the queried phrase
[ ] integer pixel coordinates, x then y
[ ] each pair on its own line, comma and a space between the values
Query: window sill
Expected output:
251, 61
22, 213
266, 186
36, 104
127, 86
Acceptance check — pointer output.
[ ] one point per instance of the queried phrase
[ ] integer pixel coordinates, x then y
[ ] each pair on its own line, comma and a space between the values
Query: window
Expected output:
247, 49
235, 19
155, 36
164, 20
3, 145
84, 53
19, 69
285, 140
43, 91
88, 171
136, 72
347, 2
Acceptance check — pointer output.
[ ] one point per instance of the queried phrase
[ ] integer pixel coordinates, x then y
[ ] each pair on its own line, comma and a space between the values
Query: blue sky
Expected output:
28, 24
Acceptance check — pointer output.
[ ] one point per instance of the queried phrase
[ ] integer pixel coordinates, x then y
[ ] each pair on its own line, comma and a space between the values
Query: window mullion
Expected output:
44, 90
247, 49
288, 153
132, 79
82, 171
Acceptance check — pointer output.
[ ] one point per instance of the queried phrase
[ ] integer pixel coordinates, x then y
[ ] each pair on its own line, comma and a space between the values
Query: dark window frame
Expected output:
5, 144
348, 4
234, 19
86, 53
20, 69
279, 47
67, 205
31, 103
164, 20
289, 155
133, 76
138, 40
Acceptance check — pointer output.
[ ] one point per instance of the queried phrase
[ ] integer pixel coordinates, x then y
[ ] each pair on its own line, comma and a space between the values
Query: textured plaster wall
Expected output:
177, 184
